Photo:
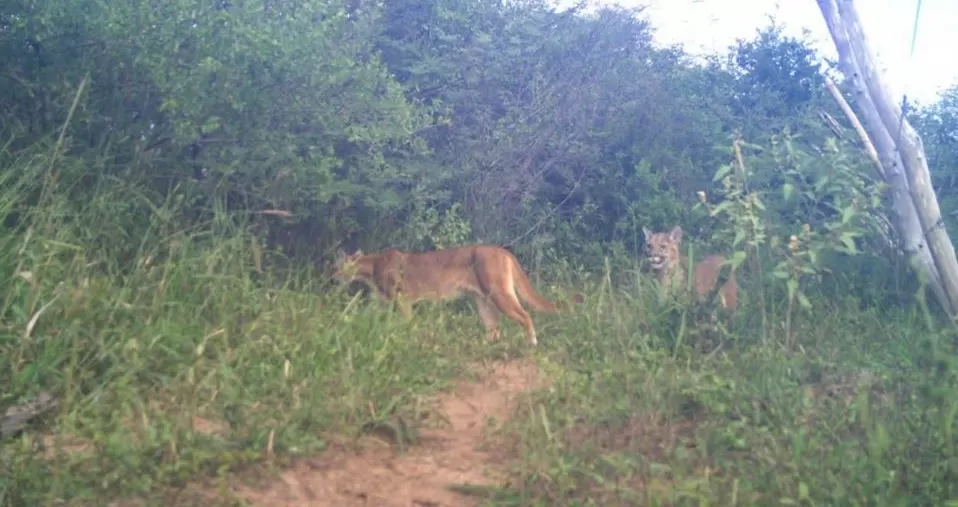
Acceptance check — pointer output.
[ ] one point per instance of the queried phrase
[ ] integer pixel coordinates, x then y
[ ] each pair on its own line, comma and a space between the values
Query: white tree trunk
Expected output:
916, 214
904, 215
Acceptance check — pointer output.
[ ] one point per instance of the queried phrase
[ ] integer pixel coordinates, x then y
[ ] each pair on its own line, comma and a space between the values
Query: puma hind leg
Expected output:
508, 303
489, 315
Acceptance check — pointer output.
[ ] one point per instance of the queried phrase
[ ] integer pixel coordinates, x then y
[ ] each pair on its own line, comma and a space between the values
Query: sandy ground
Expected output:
371, 471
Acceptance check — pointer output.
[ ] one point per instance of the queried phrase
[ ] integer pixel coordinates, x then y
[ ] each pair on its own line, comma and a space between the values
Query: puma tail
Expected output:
528, 293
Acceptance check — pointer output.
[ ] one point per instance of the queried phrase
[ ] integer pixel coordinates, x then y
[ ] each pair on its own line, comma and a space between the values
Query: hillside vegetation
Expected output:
178, 176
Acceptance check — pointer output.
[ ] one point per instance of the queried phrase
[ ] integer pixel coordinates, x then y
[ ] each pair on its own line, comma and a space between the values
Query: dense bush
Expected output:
176, 176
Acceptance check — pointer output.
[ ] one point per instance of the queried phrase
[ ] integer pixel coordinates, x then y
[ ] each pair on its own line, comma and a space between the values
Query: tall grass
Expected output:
145, 332
863, 416
173, 361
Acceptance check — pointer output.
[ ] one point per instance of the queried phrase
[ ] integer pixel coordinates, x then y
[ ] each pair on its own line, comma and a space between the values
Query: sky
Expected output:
711, 26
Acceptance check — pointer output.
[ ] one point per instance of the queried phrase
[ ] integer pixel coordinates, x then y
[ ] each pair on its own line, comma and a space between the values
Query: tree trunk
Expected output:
904, 214
917, 216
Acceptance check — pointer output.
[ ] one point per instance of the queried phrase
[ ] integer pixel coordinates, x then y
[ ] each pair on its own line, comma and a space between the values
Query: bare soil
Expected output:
372, 472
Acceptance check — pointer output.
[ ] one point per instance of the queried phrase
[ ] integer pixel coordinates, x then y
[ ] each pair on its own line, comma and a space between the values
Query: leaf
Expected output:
848, 213
720, 207
738, 258
788, 190
849, 242
757, 202
802, 300
792, 285
722, 172
739, 237
212, 124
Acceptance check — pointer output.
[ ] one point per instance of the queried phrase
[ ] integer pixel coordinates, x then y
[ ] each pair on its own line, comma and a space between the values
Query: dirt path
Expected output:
373, 473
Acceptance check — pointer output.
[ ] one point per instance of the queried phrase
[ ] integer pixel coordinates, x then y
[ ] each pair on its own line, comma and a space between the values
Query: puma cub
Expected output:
489, 273
664, 250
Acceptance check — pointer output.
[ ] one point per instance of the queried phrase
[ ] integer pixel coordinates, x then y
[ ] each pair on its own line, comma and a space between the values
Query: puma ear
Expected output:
676, 234
646, 232
357, 253
340, 255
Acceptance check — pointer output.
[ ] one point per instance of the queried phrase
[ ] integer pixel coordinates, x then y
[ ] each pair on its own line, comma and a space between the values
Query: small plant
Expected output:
797, 262
841, 206
743, 213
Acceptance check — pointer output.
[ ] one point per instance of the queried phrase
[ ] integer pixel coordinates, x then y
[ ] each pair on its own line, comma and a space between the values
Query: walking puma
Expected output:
489, 273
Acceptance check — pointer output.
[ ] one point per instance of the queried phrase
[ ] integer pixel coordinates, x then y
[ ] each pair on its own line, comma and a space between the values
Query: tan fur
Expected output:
664, 251
489, 273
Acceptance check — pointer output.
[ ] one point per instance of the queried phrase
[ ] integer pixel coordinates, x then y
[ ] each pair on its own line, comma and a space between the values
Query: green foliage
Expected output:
825, 208
368, 124
938, 126
279, 105
840, 423
778, 82
175, 175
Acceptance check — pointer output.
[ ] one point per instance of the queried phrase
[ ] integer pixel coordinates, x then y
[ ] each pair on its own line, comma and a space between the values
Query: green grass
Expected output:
134, 359
140, 336
862, 415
